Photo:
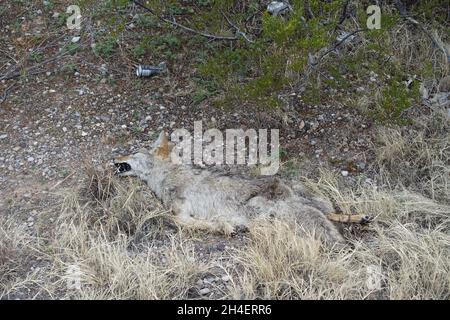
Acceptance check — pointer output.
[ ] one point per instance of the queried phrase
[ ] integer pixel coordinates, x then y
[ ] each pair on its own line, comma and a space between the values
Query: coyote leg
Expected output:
349, 218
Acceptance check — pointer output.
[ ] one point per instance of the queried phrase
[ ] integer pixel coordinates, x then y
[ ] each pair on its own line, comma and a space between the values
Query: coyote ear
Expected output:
162, 148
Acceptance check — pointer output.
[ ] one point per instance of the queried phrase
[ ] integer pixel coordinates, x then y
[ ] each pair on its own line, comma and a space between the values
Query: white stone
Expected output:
204, 291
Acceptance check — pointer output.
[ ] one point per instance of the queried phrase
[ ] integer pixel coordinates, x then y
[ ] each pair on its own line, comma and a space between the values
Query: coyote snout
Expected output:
121, 165
221, 202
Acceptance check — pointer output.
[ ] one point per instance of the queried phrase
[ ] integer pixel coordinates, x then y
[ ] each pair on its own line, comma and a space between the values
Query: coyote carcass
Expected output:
221, 202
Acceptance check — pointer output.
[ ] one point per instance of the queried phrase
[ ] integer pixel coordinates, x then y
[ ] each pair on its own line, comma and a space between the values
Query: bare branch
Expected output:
238, 31
6, 92
340, 42
433, 36
174, 23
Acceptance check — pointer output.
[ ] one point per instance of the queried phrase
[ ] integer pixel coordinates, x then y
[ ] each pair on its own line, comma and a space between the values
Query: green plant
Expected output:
396, 98
106, 47
69, 68
36, 56
71, 48
146, 21
61, 19
200, 95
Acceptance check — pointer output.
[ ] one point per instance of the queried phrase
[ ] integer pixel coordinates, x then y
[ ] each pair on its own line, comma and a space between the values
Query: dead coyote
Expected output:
226, 203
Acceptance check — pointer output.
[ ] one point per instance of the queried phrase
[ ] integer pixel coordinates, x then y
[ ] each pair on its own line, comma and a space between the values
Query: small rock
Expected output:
210, 280
444, 84
204, 291
226, 278
344, 173
3, 136
301, 125
75, 39
277, 7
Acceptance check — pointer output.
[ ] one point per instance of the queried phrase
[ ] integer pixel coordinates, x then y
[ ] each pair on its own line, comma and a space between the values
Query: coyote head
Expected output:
141, 162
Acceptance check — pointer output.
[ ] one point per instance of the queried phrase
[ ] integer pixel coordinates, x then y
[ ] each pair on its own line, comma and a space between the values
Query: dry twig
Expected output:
174, 23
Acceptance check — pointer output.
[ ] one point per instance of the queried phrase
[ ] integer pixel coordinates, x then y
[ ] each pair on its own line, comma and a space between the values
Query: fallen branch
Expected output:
432, 35
174, 23
238, 31
15, 72
340, 42
27, 71
6, 92
344, 14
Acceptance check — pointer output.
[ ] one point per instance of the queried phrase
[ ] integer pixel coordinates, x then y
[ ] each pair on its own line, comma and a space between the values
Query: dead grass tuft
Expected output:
418, 159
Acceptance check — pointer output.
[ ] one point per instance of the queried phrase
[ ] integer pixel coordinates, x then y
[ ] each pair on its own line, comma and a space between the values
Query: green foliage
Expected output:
256, 72
174, 9
62, 19
396, 98
199, 95
69, 69
144, 45
49, 5
160, 45
170, 40
70, 48
106, 47
146, 21
203, 3
36, 56
240, 73
117, 4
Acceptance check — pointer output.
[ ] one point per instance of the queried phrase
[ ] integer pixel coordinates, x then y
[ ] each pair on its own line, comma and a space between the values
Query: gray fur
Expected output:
211, 200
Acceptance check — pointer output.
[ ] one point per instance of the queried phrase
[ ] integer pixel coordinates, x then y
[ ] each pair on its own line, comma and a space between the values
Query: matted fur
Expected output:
222, 202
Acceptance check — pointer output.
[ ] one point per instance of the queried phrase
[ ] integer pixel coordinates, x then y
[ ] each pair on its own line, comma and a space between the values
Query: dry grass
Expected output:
420, 158
409, 244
